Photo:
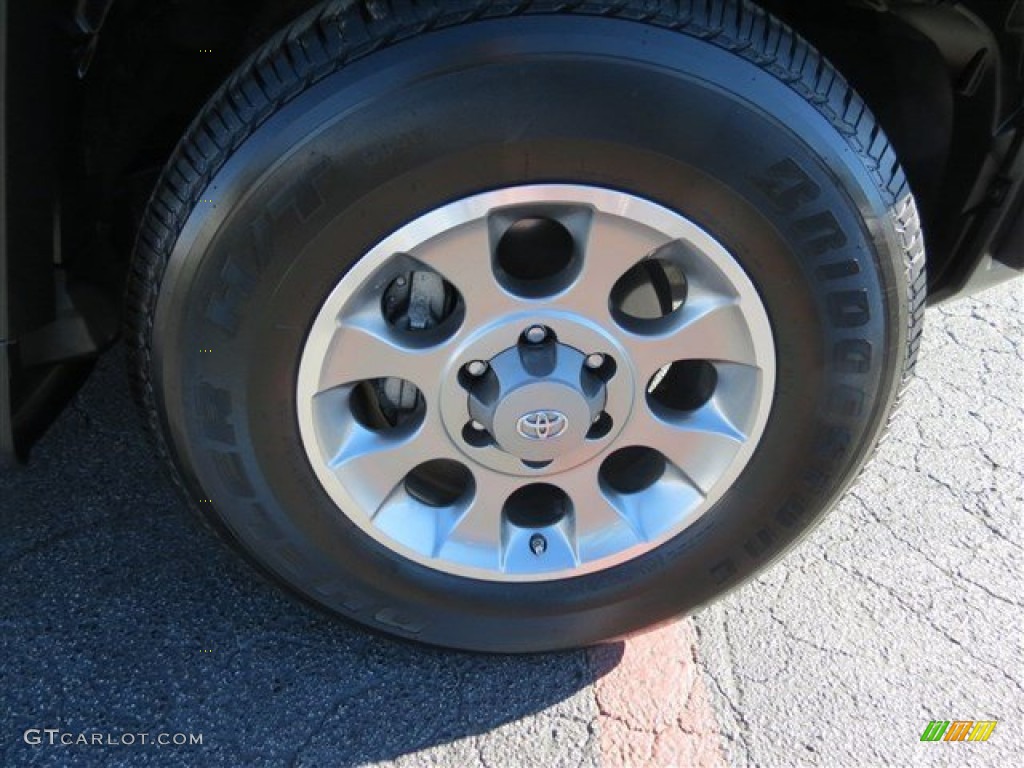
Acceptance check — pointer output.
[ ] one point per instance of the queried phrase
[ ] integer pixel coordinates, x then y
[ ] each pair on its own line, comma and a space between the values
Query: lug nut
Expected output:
477, 368
536, 334
476, 425
595, 361
538, 544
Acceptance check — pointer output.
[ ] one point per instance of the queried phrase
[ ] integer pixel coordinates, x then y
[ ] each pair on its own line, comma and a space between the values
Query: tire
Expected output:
363, 117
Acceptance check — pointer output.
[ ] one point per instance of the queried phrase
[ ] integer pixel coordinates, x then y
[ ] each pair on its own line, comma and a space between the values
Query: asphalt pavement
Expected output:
119, 615
904, 606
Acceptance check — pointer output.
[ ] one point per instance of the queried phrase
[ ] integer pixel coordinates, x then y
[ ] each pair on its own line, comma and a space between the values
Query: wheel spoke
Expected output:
700, 444
462, 256
663, 506
712, 330
373, 464
614, 244
601, 528
365, 347
473, 534
558, 552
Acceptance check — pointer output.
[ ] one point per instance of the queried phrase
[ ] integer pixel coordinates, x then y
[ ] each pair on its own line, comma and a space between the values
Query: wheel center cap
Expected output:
538, 401
542, 434
537, 394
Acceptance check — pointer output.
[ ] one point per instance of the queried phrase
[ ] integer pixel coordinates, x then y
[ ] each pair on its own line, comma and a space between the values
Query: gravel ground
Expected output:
118, 615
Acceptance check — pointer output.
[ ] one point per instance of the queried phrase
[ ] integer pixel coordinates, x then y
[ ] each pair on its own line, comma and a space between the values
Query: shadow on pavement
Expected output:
118, 615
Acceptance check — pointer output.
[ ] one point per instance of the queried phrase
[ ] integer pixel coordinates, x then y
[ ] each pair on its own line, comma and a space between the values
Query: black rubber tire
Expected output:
362, 115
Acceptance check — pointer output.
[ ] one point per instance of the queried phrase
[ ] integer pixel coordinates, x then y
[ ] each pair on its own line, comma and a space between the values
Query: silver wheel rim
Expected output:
537, 494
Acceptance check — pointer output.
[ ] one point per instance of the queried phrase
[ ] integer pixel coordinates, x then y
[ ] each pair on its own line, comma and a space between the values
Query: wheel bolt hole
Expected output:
482, 385
603, 372
537, 464
539, 358
537, 336
601, 427
476, 369
476, 435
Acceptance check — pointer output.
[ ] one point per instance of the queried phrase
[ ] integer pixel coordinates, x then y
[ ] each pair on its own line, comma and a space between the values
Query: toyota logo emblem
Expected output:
542, 425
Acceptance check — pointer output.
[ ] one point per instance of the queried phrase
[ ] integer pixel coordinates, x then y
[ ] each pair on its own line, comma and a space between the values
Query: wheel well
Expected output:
944, 79
935, 74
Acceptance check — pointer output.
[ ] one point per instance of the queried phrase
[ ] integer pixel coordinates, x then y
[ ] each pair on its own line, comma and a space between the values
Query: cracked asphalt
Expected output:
118, 615
904, 606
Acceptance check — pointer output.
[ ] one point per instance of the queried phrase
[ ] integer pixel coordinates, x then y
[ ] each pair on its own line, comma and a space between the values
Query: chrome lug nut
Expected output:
536, 334
476, 425
477, 368
595, 361
538, 544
